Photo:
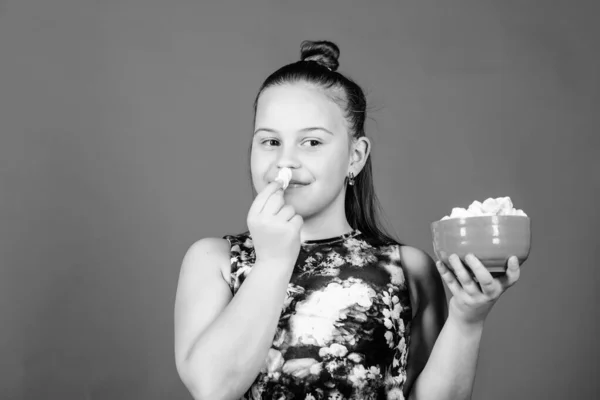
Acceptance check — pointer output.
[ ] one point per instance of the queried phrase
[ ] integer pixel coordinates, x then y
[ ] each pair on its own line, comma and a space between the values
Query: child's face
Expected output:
297, 126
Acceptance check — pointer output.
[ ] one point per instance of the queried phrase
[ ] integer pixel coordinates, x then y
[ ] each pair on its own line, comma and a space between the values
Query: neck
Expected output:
323, 231
330, 222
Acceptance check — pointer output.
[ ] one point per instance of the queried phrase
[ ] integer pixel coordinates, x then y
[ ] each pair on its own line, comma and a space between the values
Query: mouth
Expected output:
296, 185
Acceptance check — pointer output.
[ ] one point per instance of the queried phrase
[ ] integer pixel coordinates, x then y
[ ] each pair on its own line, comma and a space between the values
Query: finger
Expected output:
274, 203
463, 276
448, 277
484, 277
513, 272
263, 196
286, 212
297, 220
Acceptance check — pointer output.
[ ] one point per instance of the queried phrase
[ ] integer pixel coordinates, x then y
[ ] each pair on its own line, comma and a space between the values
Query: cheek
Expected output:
336, 168
331, 179
258, 165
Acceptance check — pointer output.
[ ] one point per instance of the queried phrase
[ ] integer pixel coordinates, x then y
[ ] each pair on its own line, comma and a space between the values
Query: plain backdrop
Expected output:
124, 130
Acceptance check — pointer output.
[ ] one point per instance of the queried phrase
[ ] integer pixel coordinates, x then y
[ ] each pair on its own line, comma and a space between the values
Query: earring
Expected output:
351, 179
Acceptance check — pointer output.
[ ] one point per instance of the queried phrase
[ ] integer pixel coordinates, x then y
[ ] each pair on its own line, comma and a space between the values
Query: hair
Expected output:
318, 66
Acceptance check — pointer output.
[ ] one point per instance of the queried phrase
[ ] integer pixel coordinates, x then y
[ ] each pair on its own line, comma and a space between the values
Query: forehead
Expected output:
297, 105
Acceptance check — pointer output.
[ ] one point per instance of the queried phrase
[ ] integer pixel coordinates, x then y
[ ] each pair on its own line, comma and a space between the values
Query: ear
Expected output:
359, 154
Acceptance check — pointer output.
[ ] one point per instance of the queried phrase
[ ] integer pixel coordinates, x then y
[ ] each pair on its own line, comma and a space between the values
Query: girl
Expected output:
315, 300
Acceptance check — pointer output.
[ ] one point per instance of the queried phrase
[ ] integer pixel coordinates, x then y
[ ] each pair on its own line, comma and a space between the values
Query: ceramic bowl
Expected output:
492, 239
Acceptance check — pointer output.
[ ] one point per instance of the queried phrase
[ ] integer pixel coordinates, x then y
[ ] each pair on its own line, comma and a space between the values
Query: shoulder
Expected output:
208, 251
422, 275
209, 246
418, 263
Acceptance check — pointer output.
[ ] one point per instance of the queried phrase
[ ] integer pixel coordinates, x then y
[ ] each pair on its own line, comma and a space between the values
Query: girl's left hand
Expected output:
472, 300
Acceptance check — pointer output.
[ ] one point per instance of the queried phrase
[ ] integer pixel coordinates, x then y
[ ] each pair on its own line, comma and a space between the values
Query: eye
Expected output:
268, 140
316, 141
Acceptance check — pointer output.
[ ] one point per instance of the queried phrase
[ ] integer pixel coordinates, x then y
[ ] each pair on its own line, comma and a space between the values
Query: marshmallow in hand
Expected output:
284, 176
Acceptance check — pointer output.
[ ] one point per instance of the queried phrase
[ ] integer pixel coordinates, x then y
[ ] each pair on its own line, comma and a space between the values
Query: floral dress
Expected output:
344, 328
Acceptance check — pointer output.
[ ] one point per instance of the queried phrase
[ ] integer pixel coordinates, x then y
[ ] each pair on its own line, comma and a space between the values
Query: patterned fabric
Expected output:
344, 328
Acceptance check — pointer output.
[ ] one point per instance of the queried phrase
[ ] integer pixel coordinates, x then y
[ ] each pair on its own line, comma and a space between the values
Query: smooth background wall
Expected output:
124, 130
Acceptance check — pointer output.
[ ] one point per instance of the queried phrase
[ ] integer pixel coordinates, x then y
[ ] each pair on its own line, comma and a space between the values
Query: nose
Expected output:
287, 157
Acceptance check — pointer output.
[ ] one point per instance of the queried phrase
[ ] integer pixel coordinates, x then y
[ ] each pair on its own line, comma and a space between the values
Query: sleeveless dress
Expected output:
344, 328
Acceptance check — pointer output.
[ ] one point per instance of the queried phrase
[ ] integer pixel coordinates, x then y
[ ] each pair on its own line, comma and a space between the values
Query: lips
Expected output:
295, 186
295, 183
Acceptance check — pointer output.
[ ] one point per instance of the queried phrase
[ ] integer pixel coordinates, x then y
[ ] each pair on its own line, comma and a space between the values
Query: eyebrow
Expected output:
304, 130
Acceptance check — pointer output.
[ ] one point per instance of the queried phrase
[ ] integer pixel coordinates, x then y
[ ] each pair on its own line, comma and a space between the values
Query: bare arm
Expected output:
431, 312
450, 371
444, 350
221, 341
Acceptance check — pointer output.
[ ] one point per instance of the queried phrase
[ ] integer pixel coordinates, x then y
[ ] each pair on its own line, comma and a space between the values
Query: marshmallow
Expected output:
460, 212
284, 176
475, 208
505, 203
490, 206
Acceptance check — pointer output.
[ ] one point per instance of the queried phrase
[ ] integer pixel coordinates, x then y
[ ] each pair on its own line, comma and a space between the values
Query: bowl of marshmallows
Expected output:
493, 231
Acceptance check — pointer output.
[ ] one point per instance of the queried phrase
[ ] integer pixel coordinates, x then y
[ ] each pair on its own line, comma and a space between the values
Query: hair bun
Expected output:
323, 52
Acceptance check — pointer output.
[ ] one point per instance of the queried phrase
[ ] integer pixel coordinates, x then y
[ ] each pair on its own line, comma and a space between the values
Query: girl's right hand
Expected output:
274, 226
